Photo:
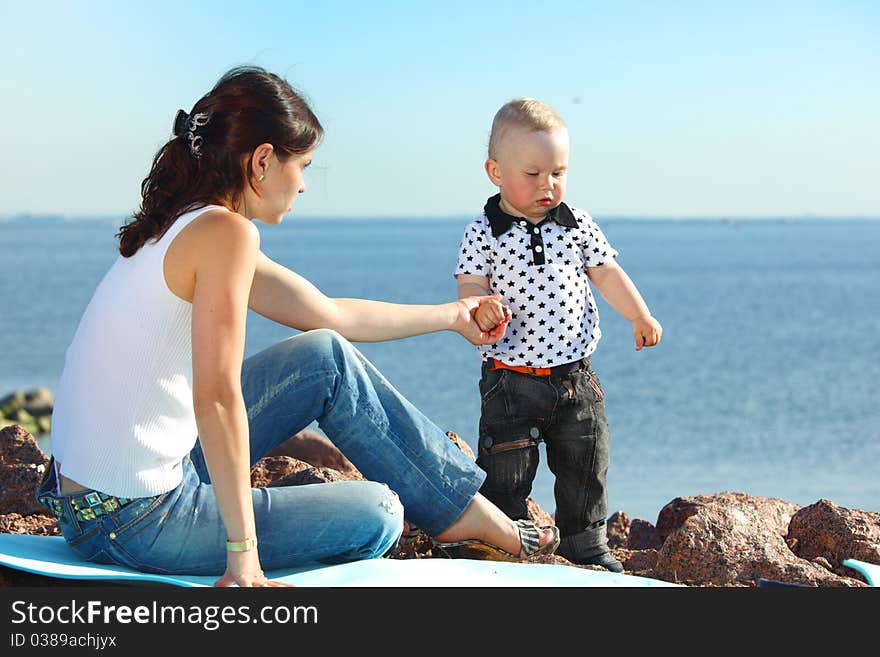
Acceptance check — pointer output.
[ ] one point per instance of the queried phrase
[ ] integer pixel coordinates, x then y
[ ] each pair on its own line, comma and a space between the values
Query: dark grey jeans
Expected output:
567, 412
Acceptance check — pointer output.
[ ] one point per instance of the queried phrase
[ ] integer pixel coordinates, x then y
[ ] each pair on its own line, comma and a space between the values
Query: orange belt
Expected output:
522, 369
535, 371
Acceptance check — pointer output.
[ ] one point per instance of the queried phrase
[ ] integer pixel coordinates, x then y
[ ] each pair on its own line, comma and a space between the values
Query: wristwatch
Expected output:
241, 546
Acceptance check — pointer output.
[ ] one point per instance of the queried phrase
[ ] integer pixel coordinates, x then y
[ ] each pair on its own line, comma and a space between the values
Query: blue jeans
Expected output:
320, 376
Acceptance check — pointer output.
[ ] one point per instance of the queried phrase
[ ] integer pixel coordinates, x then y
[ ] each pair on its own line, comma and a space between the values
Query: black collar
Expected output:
501, 221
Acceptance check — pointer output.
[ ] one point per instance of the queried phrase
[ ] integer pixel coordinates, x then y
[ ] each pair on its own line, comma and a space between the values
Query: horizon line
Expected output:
72, 218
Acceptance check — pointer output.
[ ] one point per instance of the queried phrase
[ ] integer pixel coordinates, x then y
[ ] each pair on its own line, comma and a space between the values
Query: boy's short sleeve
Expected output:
474, 252
595, 247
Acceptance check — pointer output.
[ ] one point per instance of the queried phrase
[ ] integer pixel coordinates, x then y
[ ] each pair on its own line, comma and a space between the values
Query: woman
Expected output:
158, 480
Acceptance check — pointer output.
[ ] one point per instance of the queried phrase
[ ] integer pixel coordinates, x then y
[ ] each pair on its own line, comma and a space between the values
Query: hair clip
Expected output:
184, 124
195, 141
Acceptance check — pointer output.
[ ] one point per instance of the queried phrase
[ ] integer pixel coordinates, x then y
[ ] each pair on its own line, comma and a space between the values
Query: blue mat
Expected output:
871, 571
49, 555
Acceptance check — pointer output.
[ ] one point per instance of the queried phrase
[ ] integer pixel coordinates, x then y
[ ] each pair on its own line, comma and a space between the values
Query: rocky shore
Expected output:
31, 410
717, 539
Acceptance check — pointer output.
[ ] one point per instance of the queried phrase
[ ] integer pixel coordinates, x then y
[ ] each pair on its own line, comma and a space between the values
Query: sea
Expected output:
767, 379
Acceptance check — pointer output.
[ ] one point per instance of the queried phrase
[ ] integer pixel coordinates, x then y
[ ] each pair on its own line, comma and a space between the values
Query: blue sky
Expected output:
676, 109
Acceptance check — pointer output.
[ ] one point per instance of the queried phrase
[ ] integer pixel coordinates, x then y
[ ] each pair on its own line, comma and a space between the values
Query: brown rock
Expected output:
828, 534
18, 483
730, 539
673, 515
820, 561
462, 445
310, 475
41, 525
562, 561
641, 562
22, 464
537, 515
643, 536
618, 528
18, 447
316, 450
273, 468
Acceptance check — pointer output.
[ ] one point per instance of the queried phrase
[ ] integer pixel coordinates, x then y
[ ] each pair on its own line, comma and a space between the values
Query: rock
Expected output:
17, 446
537, 515
272, 468
310, 475
673, 515
316, 450
641, 562
27, 409
22, 464
828, 534
462, 445
22, 416
562, 561
23, 419
618, 527
730, 539
819, 561
18, 483
643, 536
39, 401
39, 524
44, 423
11, 403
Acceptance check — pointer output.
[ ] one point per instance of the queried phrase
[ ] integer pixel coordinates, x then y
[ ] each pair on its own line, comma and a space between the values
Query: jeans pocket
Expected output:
134, 517
86, 540
491, 383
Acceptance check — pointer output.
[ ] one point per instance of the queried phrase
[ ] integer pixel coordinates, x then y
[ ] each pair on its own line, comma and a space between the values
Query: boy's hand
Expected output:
466, 323
490, 313
647, 331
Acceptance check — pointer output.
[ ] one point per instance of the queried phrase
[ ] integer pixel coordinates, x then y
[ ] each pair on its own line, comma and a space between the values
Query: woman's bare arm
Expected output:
287, 298
223, 277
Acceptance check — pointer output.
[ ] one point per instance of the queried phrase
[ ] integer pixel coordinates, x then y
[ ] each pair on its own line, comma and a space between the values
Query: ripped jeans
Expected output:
320, 376
567, 412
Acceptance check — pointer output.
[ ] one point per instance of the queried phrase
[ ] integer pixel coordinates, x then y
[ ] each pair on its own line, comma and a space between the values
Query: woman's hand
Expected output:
243, 569
467, 325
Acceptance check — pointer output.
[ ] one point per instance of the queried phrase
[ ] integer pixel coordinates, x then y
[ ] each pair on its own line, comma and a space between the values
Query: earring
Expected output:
260, 179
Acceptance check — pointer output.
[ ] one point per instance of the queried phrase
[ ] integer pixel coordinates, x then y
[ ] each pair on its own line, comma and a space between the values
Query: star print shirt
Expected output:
540, 271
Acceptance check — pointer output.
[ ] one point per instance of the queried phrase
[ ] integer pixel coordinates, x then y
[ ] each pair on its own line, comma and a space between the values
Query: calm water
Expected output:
765, 381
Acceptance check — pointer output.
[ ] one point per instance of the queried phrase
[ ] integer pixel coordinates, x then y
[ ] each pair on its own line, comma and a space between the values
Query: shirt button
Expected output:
534, 432
538, 248
536, 230
112, 535
487, 442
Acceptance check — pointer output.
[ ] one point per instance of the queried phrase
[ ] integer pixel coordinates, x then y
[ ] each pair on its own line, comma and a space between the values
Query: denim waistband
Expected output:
82, 505
556, 370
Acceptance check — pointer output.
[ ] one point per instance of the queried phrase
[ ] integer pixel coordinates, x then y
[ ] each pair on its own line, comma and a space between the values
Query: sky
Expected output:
675, 109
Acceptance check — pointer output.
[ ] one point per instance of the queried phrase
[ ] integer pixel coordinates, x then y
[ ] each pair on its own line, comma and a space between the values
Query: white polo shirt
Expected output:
540, 271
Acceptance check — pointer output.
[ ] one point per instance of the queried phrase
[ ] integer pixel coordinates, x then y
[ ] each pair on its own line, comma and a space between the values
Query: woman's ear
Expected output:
261, 159
493, 171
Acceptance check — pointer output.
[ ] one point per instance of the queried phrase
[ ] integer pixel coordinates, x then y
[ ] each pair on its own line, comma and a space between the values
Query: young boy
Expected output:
537, 383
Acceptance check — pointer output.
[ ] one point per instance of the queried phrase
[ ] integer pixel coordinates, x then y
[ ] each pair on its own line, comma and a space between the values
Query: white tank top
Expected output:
123, 417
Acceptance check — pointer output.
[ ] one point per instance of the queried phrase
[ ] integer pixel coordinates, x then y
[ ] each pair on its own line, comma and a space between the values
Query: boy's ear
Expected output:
493, 171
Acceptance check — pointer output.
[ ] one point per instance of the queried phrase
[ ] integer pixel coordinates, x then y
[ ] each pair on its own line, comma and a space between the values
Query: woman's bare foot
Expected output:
484, 521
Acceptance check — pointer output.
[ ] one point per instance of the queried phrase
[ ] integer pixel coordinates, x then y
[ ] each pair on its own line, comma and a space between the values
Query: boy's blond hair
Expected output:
526, 113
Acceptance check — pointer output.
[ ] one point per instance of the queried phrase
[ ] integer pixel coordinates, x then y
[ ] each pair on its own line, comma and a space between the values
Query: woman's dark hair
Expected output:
202, 164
